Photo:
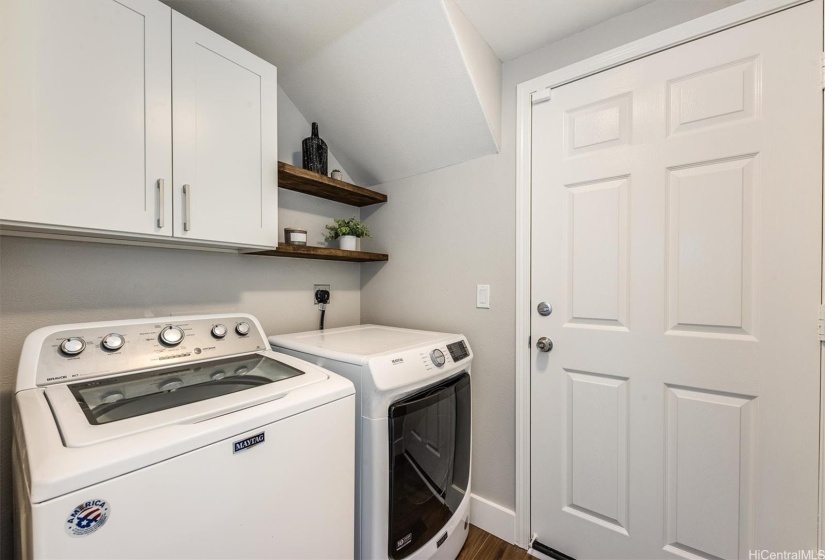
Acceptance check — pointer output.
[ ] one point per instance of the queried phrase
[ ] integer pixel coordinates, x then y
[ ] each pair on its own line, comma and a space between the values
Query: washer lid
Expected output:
356, 345
90, 412
128, 396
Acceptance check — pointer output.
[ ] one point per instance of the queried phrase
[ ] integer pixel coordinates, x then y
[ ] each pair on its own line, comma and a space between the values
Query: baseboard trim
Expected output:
493, 518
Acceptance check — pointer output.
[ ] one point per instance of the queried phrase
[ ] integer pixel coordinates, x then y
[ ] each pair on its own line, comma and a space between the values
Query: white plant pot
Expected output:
347, 242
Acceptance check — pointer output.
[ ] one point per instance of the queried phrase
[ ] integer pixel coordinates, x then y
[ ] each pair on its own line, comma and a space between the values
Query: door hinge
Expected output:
822, 71
821, 323
540, 96
530, 341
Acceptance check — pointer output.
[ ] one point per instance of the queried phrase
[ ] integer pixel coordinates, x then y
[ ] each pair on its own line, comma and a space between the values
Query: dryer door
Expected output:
429, 462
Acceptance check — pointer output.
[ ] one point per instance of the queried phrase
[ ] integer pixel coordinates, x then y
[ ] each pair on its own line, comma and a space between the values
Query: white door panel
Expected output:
677, 205
86, 125
225, 122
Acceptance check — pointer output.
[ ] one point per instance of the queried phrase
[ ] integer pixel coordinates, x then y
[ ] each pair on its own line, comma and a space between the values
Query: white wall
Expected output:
46, 282
483, 64
453, 228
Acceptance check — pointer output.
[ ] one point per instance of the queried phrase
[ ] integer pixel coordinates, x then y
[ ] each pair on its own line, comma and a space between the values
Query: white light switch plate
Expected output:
483, 296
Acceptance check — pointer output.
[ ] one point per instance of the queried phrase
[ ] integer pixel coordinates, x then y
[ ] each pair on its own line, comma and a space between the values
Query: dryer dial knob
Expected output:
171, 336
113, 342
219, 331
72, 346
437, 356
242, 328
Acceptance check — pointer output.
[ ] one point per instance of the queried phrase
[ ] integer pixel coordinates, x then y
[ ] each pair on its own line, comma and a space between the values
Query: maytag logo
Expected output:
244, 444
397, 361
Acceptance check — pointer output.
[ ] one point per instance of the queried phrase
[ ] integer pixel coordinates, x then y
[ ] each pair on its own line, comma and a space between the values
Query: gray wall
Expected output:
453, 228
46, 282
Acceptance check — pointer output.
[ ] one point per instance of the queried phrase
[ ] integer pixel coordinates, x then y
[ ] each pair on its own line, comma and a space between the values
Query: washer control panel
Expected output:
110, 349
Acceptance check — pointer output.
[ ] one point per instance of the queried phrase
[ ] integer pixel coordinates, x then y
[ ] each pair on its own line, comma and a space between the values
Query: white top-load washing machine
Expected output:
413, 434
179, 437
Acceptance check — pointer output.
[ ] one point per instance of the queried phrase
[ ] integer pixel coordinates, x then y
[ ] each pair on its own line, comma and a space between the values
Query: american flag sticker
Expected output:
87, 518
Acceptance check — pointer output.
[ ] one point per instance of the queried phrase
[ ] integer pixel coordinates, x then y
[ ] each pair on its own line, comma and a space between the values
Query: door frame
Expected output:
538, 90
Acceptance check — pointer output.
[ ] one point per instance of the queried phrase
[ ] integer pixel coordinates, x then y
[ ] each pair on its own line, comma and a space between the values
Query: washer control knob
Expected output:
72, 346
437, 356
171, 336
113, 341
242, 328
219, 331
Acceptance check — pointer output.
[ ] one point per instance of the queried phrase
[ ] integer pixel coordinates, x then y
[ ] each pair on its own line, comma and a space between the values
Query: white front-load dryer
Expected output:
180, 437
413, 434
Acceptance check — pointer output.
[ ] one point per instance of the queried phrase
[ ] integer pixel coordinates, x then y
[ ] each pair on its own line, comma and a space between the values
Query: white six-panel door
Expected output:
676, 216
225, 139
86, 124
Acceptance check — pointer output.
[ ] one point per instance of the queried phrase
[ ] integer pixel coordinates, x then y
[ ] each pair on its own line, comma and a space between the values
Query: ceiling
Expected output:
399, 87
286, 32
515, 27
283, 32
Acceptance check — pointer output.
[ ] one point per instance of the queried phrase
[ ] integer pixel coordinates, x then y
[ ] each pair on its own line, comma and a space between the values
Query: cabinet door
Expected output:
85, 126
224, 106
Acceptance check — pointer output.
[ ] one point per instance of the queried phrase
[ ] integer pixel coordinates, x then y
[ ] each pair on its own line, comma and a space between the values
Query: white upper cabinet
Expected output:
85, 124
89, 93
225, 141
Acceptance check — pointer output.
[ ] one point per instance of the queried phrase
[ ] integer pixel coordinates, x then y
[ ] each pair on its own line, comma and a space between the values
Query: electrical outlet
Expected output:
317, 287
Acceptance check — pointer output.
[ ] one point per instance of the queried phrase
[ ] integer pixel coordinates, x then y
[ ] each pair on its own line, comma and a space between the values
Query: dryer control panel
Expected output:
102, 349
458, 350
418, 365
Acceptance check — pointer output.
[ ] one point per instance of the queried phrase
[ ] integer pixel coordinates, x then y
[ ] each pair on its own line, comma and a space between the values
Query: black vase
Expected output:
315, 152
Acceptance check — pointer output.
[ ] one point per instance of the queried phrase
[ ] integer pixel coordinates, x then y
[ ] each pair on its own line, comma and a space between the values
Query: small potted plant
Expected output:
347, 231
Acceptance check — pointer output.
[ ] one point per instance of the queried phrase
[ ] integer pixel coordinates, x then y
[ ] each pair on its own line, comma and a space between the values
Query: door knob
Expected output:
544, 344
544, 309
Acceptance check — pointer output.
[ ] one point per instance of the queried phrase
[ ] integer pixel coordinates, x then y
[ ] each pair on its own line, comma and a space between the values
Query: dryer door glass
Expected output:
127, 396
429, 462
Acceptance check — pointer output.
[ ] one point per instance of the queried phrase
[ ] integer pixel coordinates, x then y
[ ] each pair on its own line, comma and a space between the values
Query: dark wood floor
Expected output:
481, 545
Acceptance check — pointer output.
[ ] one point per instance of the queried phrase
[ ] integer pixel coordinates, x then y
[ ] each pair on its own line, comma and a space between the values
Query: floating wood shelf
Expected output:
322, 253
300, 180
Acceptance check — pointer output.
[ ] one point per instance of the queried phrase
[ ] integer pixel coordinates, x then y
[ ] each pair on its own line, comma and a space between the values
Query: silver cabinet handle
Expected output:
161, 203
187, 216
